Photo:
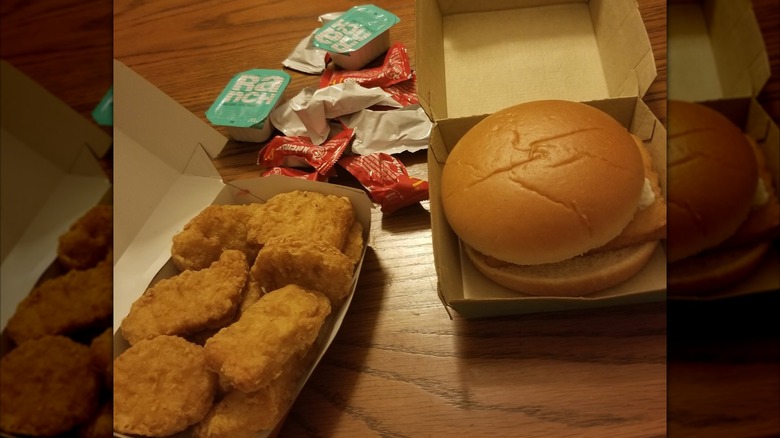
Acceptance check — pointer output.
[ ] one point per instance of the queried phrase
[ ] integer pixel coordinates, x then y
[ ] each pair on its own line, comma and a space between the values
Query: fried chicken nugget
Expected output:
101, 425
353, 244
190, 302
313, 215
101, 351
255, 350
47, 387
88, 239
215, 229
310, 264
76, 301
240, 414
161, 387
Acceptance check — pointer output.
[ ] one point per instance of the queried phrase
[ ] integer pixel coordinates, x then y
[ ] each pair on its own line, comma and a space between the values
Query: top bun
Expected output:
712, 177
542, 182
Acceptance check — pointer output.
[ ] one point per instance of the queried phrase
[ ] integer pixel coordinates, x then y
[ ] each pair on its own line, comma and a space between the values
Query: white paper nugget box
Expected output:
165, 176
50, 178
474, 58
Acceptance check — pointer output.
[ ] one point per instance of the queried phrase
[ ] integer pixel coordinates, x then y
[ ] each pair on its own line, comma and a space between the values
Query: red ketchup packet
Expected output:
386, 180
300, 151
404, 92
395, 68
295, 173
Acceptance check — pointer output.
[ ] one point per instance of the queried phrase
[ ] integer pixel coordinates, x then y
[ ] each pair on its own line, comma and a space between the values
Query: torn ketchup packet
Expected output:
386, 180
301, 152
295, 173
404, 92
395, 68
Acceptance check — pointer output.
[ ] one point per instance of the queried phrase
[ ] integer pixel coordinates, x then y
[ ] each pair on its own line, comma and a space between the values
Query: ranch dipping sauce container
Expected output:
356, 37
245, 103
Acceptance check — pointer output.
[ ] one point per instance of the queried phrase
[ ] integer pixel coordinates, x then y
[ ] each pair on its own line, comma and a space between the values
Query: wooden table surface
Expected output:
400, 365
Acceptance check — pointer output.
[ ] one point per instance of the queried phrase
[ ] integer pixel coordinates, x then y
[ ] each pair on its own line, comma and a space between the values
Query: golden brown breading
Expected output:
47, 387
310, 264
190, 302
161, 387
101, 351
101, 425
252, 293
215, 229
88, 239
353, 244
240, 414
254, 350
76, 301
311, 215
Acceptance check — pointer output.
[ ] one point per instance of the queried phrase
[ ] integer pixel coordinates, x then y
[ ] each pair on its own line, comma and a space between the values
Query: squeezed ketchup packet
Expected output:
308, 112
405, 93
395, 68
294, 173
386, 180
393, 131
299, 151
306, 57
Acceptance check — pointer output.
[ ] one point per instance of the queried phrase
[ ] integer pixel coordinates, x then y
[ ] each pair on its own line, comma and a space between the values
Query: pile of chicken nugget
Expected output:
220, 349
56, 378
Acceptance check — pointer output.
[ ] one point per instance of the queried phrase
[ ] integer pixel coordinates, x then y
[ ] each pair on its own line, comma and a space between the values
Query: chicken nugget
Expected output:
101, 351
47, 387
88, 239
353, 244
189, 302
161, 387
308, 214
67, 305
255, 350
310, 264
215, 229
101, 425
240, 414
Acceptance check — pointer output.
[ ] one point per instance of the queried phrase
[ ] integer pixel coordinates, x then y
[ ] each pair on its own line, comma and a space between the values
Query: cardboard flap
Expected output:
478, 57
162, 147
625, 48
717, 49
45, 123
159, 123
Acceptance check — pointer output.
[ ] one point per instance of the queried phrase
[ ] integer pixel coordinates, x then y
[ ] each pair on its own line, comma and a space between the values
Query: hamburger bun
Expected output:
576, 276
723, 209
531, 189
717, 269
712, 176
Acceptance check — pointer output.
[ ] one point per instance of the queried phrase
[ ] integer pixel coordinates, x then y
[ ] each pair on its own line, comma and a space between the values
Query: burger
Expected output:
553, 198
723, 209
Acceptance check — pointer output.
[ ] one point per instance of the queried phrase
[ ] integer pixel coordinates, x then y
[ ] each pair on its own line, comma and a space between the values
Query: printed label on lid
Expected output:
248, 98
353, 29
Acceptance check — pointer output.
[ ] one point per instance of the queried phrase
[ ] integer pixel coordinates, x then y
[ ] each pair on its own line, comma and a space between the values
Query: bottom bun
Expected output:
574, 277
713, 270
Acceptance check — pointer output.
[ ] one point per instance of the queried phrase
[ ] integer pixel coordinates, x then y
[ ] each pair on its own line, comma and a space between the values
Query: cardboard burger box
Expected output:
166, 177
50, 178
474, 58
720, 61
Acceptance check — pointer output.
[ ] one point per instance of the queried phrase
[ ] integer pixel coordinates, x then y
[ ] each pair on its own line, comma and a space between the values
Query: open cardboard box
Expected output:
50, 177
720, 61
474, 58
166, 177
